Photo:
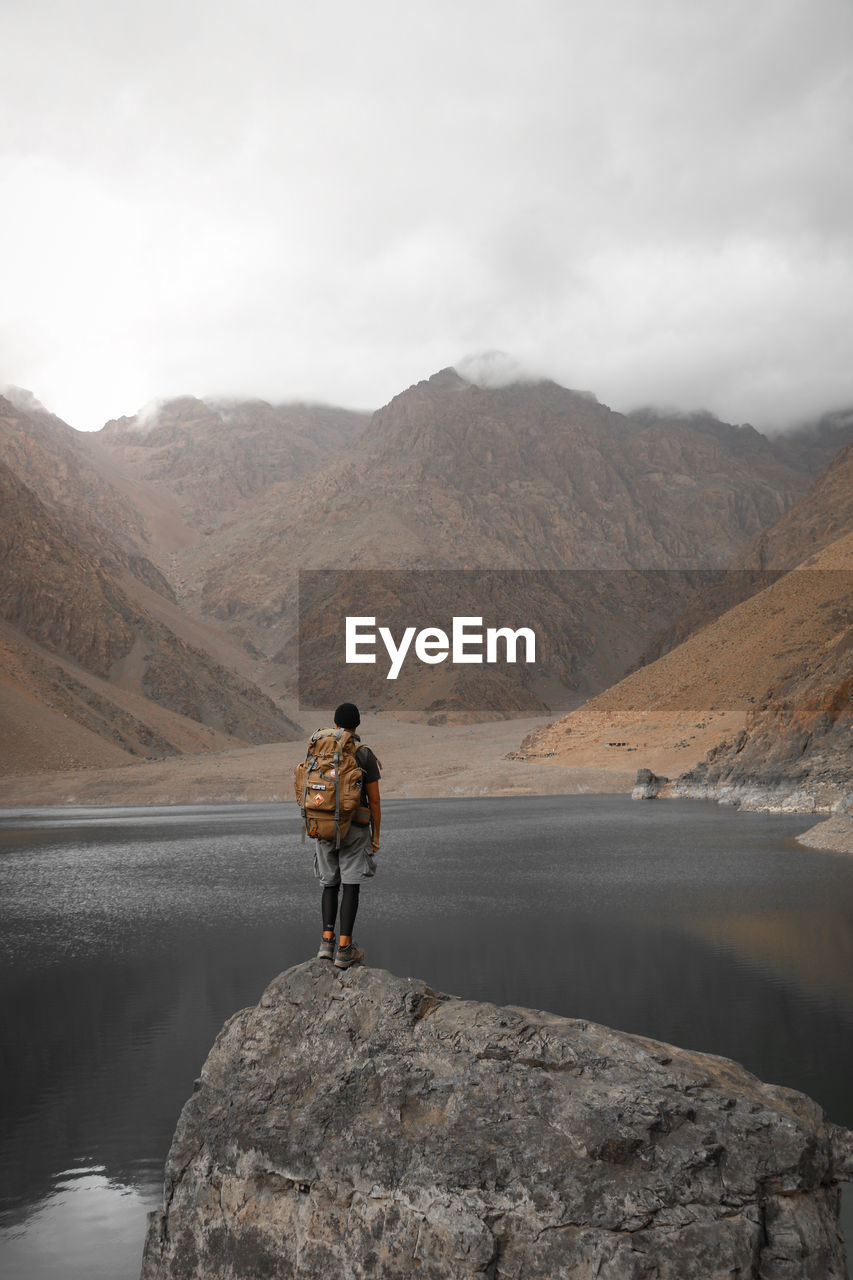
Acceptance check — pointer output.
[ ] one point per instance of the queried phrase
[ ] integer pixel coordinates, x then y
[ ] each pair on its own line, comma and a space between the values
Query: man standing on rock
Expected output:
354, 860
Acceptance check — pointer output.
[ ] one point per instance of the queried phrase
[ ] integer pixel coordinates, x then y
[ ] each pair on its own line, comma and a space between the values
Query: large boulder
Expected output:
648, 785
358, 1124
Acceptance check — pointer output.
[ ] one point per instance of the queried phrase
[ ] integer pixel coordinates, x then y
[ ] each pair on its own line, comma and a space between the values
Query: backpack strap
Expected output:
310, 761
308, 766
338, 793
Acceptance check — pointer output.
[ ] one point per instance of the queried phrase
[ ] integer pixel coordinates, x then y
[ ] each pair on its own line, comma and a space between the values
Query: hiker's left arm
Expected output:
372, 789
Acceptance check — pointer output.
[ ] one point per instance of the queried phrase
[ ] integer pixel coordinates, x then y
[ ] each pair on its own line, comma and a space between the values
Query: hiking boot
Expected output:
327, 949
345, 956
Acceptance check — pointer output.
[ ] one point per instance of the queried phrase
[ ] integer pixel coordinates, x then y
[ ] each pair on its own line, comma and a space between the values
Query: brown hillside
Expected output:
58, 716
166, 541
57, 593
822, 515
772, 672
63, 598
800, 734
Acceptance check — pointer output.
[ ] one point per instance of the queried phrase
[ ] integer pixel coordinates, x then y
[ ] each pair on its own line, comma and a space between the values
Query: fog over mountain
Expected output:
323, 202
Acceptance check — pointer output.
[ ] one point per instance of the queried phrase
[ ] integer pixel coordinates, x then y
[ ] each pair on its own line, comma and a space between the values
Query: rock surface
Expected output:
89, 662
363, 1125
648, 785
835, 834
769, 683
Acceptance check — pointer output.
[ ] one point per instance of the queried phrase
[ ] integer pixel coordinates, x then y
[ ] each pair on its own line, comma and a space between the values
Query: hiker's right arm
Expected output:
372, 789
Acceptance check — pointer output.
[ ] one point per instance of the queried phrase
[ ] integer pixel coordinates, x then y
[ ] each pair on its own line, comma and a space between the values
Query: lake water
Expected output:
128, 936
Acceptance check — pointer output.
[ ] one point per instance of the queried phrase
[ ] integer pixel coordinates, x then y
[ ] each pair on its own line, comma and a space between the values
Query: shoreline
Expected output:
827, 802
452, 764
834, 835
417, 761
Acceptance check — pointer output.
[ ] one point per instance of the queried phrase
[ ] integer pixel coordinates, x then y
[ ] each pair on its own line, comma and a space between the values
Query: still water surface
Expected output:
128, 936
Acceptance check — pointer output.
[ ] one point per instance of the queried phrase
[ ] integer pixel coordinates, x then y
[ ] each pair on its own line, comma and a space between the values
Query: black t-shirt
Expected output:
369, 769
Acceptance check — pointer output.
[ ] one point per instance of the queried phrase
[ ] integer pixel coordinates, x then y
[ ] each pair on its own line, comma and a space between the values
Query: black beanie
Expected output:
347, 717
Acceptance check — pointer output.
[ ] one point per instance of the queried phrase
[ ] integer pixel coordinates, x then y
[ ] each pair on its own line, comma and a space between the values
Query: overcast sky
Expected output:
650, 199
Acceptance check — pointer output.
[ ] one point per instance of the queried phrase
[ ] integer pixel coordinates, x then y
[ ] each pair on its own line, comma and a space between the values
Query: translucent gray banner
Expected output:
470, 644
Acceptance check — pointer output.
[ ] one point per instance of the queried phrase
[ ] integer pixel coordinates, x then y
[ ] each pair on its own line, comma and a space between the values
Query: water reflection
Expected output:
811, 948
84, 1205
100, 1057
126, 947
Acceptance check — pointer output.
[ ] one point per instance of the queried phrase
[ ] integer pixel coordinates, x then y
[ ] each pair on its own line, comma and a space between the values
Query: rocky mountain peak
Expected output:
166, 419
20, 398
449, 411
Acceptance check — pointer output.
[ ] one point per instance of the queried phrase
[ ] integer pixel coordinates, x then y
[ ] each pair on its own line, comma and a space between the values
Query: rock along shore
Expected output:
362, 1125
754, 795
761, 797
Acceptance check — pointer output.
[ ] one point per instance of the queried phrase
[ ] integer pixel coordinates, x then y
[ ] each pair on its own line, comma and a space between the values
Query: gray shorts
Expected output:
352, 863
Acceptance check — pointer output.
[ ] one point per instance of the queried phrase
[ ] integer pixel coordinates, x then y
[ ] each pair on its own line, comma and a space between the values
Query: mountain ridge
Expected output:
451, 475
198, 514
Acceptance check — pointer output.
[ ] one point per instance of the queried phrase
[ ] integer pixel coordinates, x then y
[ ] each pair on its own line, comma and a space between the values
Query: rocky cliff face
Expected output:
545, 476
822, 515
214, 458
363, 1125
774, 673
794, 750
65, 599
73, 580
451, 475
57, 593
54, 462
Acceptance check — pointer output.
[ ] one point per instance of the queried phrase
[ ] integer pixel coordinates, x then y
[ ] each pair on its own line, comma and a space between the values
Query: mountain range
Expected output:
149, 588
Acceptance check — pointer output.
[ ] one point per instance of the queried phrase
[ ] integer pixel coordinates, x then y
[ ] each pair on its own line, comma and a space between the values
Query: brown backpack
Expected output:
328, 786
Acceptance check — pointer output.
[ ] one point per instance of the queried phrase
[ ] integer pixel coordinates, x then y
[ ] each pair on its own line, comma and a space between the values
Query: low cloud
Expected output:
495, 369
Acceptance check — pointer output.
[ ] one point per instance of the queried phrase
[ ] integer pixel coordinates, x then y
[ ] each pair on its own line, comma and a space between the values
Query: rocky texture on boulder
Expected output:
364, 1125
648, 785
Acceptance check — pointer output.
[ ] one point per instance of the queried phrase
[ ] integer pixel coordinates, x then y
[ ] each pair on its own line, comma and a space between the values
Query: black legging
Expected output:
349, 907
